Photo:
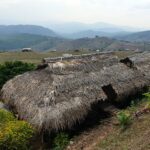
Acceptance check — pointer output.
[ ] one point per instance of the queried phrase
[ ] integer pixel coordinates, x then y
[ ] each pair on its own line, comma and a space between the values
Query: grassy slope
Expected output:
135, 137
107, 135
32, 57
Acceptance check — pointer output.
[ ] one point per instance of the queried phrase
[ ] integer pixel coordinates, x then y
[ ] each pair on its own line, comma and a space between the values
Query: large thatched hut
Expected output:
61, 94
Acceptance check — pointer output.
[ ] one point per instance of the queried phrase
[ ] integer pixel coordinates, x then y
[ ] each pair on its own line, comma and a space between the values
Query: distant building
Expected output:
67, 55
54, 50
26, 50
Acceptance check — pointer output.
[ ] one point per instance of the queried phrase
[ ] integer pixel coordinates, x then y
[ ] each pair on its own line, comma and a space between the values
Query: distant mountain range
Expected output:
101, 44
92, 34
26, 29
75, 27
40, 38
75, 30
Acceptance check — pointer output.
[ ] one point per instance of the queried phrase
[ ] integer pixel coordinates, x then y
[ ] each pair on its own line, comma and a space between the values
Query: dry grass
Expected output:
36, 57
123, 54
136, 137
33, 57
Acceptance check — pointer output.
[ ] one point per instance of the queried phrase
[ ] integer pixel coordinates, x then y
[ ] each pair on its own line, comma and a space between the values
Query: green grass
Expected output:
33, 57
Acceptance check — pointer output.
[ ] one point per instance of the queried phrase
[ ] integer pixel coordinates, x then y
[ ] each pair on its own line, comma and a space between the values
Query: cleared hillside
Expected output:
138, 37
86, 43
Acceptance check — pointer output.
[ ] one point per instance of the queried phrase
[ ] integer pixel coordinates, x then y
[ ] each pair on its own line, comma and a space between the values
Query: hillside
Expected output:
93, 33
27, 29
125, 45
43, 43
138, 36
17, 41
87, 33
37, 42
104, 37
86, 43
107, 134
49, 44
102, 44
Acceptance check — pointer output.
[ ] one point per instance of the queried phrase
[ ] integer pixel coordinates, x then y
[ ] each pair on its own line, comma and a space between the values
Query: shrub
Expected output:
5, 117
147, 95
133, 106
124, 119
11, 69
14, 134
61, 141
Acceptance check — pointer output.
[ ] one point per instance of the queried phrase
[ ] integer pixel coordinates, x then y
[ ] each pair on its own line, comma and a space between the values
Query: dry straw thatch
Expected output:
62, 94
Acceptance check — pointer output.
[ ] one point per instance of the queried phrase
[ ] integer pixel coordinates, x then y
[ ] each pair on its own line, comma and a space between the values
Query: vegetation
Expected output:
124, 119
61, 141
45, 43
14, 134
136, 135
10, 69
5, 116
18, 41
147, 95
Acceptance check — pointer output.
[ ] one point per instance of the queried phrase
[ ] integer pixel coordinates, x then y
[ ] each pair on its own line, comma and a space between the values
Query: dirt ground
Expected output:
108, 136
88, 139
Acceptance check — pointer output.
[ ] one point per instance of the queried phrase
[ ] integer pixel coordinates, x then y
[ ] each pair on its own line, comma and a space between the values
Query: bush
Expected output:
124, 119
11, 69
5, 117
61, 141
14, 134
147, 95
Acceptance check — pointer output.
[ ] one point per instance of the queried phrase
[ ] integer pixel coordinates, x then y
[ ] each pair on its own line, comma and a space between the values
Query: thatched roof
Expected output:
62, 94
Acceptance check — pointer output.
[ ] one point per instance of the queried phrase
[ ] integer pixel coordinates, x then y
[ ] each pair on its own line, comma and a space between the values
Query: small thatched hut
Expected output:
62, 94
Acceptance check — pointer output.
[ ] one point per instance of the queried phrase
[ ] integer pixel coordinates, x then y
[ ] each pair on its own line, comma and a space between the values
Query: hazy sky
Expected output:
120, 12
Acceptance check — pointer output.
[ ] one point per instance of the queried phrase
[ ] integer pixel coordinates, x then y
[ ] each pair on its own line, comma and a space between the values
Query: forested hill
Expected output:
44, 43
16, 37
18, 41
26, 29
